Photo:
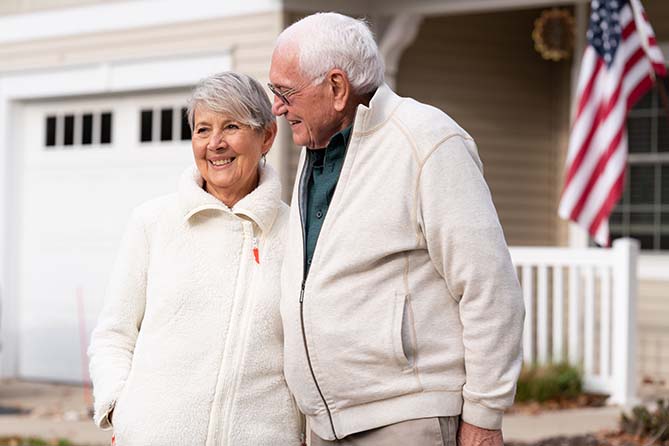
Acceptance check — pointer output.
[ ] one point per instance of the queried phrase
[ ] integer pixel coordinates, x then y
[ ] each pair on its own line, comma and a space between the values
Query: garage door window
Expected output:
78, 130
163, 125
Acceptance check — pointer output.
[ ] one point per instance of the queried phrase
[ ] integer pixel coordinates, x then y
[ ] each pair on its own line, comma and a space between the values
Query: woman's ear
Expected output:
269, 133
341, 88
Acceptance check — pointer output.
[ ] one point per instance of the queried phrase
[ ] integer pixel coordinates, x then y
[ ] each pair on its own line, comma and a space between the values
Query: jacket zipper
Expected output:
304, 280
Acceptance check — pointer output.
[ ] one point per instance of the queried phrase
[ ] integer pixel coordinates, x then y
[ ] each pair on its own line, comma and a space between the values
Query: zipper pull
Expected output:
302, 292
256, 253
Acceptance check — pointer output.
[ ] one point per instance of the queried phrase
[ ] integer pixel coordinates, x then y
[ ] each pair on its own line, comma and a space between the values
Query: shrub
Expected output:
644, 423
549, 382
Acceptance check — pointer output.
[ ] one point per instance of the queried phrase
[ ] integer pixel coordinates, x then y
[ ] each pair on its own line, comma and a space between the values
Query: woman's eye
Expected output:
232, 126
201, 130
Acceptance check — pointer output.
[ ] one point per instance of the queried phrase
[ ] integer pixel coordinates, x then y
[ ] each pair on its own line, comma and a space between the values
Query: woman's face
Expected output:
227, 153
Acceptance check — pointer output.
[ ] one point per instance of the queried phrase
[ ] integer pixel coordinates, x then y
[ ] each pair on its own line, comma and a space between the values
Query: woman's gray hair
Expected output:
330, 40
234, 94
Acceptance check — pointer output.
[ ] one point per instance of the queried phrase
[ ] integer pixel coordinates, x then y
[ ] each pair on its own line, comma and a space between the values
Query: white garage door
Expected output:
85, 164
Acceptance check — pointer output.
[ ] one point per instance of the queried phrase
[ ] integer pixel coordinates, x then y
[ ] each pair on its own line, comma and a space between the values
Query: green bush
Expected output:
549, 382
644, 423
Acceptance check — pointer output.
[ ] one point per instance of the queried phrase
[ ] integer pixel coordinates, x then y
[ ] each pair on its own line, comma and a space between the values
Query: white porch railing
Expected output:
581, 308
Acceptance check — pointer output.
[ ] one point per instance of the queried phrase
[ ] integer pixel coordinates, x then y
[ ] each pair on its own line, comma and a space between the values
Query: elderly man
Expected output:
401, 309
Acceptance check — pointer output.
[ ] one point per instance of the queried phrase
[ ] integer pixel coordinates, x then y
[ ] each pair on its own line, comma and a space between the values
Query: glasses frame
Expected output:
284, 95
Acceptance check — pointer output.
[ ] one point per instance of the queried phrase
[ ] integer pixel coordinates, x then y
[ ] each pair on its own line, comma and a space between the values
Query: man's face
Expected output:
310, 110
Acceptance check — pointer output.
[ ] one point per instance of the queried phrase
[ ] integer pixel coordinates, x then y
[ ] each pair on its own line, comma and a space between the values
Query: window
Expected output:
50, 131
146, 125
164, 124
643, 211
105, 128
185, 126
78, 130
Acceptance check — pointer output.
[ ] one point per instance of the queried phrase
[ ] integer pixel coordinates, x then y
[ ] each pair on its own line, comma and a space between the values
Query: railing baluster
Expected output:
589, 321
558, 314
605, 324
574, 351
528, 336
542, 314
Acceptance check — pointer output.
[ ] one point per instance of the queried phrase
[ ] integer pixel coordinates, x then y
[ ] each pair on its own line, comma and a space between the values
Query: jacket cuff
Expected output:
481, 416
101, 417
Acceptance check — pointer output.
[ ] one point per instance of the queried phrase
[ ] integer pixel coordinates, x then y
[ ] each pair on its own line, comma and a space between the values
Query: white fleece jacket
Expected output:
188, 347
412, 307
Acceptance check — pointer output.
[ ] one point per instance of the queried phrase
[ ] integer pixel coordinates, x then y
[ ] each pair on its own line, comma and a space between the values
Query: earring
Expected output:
264, 159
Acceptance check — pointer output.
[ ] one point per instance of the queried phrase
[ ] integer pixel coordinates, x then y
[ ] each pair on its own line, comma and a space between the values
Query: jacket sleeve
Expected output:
113, 339
466, 244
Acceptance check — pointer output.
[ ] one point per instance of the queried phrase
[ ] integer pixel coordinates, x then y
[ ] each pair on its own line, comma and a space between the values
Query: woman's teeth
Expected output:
222, 162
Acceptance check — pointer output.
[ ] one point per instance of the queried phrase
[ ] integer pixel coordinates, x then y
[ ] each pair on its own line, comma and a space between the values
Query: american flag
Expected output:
619, 66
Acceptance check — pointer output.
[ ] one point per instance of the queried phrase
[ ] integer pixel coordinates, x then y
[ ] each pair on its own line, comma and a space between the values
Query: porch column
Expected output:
397, 36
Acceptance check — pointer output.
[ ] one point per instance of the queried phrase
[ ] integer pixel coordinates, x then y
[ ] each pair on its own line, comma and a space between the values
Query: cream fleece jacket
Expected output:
412, 306
188, 347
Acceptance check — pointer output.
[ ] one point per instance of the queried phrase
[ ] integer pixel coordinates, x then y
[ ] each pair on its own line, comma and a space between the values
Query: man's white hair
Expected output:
328, 40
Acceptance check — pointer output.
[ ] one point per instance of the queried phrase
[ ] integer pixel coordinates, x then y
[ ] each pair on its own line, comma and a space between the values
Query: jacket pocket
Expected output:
404, 343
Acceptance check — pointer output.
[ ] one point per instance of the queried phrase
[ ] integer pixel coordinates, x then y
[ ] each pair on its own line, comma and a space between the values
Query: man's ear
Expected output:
341, 88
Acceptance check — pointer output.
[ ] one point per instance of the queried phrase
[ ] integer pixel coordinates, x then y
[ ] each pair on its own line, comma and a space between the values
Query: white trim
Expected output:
122, 16
112, 77
91, 79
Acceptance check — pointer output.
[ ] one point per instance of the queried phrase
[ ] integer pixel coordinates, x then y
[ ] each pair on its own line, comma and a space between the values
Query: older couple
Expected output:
385, 295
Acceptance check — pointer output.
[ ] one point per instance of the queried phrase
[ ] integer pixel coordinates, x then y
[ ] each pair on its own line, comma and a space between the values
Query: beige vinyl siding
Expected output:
653, 335
250, 38
653, 304
483, 71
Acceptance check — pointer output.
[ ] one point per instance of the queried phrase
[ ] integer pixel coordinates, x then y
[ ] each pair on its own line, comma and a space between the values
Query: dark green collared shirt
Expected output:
327, 164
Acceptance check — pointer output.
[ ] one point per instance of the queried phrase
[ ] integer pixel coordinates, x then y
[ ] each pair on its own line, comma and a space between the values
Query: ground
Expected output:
57, 411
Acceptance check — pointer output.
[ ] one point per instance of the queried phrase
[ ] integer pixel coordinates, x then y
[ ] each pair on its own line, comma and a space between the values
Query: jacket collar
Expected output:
260, 206
380, 109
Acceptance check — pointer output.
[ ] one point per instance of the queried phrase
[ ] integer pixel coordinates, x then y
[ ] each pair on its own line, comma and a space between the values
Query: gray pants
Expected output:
420, 432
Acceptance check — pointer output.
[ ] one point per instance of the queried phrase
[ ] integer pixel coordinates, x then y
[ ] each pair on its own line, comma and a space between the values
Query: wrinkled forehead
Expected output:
285, 70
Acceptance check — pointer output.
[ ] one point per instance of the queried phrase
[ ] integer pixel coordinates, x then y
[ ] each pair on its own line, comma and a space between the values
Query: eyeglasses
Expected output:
284, 94
288, 92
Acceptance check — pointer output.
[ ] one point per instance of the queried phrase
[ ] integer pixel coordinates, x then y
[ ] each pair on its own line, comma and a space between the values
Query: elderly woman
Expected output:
188, 348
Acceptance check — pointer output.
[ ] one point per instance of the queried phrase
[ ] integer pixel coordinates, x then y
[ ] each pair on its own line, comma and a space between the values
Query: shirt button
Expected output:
309, 262
319, 215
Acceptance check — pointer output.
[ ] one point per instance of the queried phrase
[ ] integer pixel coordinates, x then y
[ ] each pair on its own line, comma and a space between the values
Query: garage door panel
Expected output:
74, 205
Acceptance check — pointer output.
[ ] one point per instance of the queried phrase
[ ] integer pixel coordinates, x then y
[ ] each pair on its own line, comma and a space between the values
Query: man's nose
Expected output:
278, 107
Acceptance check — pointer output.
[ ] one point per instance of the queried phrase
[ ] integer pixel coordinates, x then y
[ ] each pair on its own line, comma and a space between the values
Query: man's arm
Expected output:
466, 244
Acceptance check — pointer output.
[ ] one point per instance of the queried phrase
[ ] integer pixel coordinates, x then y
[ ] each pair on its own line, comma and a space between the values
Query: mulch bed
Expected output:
615, 438
583, 400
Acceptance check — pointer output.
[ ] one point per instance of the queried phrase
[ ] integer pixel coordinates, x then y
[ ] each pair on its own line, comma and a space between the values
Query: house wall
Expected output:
653, 333
653, 304
482, 70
